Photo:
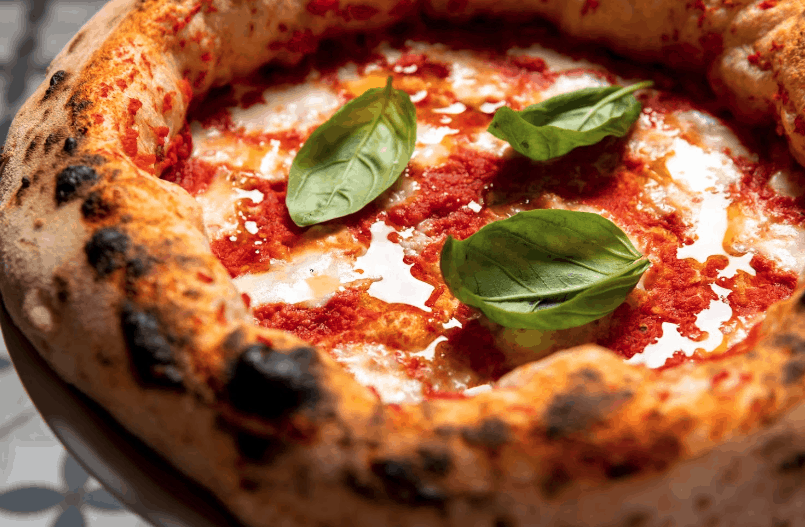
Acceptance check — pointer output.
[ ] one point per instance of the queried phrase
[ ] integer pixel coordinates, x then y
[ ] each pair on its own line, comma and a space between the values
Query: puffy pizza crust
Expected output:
108, 272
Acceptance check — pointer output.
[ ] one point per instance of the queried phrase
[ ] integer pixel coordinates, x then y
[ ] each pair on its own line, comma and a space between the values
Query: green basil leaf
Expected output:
543, 269
556, 126
353, 157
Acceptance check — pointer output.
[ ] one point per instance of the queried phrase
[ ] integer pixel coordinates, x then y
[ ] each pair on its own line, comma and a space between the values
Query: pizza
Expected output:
454, 263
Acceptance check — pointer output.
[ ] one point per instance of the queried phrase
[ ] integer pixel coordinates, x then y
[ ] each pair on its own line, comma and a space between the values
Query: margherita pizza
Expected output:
446, 263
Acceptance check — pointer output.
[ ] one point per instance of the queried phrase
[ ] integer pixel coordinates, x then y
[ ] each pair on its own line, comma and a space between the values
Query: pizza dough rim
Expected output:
499, 458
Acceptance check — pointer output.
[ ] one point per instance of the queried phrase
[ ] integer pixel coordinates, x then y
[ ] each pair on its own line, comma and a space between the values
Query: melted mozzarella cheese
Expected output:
553, 59
700, 177
312, 277
709, 321
299, 106
384, 262
454, 109
705, 174
376, 365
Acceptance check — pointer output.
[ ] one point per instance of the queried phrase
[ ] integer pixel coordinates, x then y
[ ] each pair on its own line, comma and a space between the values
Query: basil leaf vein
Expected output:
554, 127
543, 269
353, 157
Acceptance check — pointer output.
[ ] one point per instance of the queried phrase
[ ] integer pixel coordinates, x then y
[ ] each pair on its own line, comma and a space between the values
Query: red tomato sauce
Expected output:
604, 177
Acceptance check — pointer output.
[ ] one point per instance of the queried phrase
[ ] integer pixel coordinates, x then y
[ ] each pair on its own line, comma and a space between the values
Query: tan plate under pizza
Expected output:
124, 465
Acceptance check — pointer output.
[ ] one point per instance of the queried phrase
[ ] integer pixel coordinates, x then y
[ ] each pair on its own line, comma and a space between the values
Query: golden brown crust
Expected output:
108, 271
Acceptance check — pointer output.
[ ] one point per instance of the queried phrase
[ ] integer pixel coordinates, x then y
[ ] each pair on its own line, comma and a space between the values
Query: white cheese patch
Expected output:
255, 195
475, 390
706, 175
428, 135
454, 109
785, 245
292, 107
392, 54
271, 166
376, 365
405, 69
311, 278
487, 142
384, 262
348, 72
709, 321
218, 207
251, 227
714, 133
787, 183
429, 151
553, 59
491, 107
429, 353
419, 96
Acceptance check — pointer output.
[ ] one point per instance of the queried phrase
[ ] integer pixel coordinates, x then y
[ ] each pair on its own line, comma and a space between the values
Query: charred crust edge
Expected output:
573, 412
51, 140
106, 250
271, 384
149, 348
402, 485
70, 144
70, 180
492, 434
95, 207
56, 80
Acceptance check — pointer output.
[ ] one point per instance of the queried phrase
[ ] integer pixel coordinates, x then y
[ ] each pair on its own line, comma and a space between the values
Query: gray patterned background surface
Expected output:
40, 484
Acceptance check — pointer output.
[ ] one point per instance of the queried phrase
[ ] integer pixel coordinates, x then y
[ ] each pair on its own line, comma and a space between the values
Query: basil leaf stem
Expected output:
555, 126
543, 269
353, 157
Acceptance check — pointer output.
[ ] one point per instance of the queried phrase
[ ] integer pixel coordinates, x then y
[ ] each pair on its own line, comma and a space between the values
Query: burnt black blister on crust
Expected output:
792, 464
574, 412
793, 371
622, 470
70, 144
492, 434
31, 148
106, 250
435, 461
3, 162
258, 449
55, 81
272, 384
71, 179
792, 341
557, 481
51, 140
24, 184
402, 484
95, 207
77, 107
150, 351
502, 521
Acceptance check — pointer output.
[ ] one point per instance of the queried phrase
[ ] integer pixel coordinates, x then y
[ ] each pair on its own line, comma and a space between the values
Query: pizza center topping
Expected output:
366, 285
